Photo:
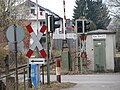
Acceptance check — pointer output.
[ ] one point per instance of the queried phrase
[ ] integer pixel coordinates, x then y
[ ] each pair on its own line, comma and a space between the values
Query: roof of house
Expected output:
101, 31
45, 9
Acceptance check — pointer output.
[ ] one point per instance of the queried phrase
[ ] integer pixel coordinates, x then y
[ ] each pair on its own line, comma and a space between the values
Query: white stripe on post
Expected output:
58, 76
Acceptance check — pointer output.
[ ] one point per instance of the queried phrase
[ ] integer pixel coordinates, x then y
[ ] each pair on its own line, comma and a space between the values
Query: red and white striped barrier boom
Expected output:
64, 21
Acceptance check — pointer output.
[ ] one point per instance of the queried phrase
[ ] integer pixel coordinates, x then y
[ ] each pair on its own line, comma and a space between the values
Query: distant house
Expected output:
69, 26
28, 11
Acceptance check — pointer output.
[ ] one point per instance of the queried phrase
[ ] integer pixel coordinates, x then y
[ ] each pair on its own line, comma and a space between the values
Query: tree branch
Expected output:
118, 17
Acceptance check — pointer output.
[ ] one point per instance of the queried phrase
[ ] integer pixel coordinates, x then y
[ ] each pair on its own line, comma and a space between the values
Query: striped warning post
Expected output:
64, 12
36, 42
64, 20
58, 76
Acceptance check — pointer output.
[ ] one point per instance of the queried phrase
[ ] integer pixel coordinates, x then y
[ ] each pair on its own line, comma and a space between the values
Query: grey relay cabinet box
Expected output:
100, 48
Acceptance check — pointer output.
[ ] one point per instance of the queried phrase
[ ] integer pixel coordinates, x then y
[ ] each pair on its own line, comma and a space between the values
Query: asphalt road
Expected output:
92, 82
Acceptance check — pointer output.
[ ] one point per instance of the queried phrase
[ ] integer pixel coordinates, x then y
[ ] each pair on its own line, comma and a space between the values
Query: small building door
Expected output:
99, 55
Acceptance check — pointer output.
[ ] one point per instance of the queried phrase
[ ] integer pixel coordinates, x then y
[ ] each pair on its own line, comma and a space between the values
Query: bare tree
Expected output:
10, 10
6, 7
114, 7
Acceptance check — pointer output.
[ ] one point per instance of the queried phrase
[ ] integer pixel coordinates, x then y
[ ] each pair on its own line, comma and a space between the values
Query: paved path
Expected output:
92, 82
93, 86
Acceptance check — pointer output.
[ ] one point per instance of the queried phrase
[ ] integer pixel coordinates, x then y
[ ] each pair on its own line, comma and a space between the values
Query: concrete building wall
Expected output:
110, 52
90, 51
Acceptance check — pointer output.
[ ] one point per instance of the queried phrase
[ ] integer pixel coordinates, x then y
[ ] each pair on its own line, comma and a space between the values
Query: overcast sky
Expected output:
57, 6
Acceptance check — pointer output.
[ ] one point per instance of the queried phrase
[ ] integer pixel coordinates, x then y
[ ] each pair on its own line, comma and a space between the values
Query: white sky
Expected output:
57, 6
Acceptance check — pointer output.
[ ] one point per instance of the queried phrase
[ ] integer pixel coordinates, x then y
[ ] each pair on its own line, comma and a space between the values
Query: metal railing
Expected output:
8, 81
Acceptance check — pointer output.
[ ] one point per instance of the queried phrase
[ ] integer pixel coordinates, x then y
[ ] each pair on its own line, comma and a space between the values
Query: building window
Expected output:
32, 11
30, 23
43, 22
40, 9
32, 5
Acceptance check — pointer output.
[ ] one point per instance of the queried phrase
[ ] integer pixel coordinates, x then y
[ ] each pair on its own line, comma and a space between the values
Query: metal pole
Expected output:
7, 71
42, 64
37, 68
37, 14
47, 48
76, 47
28, 65
6, 64
83, 35
81, 63
15, 39
24, 80
42, 74
37, 76
82, 52
29, 76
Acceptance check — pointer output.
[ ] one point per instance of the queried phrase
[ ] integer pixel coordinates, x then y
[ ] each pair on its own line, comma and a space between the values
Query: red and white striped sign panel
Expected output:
36, 39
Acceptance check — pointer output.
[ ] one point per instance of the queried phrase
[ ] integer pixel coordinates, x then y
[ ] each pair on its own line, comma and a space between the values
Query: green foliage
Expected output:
93, 10
56, 52
79, 9
92, 24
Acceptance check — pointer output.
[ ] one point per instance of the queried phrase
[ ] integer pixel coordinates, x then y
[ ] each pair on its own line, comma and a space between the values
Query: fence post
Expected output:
42, 74
11, 83
2, 85
58, 70
7, 71
24, 80
6, 64
29, 77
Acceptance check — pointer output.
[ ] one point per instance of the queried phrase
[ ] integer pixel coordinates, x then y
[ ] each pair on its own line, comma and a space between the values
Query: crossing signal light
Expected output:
53, 23
79, 26
86, 26
82, 26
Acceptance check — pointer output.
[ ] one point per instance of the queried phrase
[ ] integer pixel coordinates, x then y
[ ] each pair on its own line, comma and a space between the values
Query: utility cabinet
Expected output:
100, 48
66, 63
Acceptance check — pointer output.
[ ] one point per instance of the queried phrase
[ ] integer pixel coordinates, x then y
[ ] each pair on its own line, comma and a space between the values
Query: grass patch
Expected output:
56, 85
